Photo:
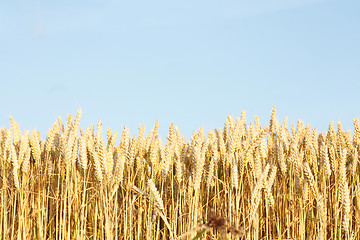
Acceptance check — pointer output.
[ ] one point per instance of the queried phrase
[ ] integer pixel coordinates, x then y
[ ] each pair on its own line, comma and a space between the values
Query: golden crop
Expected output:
239, 182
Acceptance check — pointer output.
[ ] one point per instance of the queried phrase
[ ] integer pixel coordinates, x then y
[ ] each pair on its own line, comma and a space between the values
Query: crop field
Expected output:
241, 181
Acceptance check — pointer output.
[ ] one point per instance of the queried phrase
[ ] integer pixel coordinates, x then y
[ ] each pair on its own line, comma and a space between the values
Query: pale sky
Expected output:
187, 62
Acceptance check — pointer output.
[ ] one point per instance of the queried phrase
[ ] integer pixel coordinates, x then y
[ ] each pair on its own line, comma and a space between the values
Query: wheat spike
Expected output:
158, 201
325, 159
268, 185
234, 174
356, 136
274, 124
199, 158
15, 131
310, 179
35, 145
256, 193
96, 160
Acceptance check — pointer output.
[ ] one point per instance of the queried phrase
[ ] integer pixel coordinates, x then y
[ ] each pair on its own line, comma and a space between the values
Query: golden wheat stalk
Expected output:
74, 185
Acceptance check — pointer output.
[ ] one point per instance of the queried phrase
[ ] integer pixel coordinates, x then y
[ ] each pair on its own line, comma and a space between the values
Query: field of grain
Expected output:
242, 181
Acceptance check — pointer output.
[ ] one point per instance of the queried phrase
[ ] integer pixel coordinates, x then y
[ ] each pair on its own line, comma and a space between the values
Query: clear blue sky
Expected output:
187, 62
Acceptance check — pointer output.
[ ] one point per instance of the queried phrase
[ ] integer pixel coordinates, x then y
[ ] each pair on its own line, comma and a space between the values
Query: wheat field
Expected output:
242, 181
